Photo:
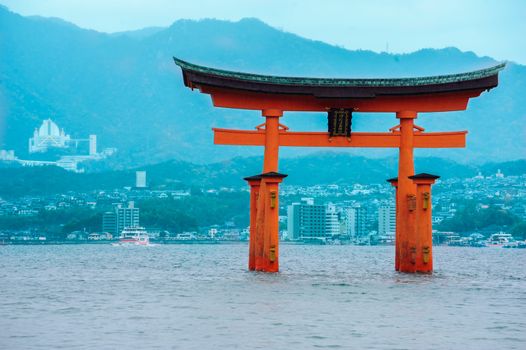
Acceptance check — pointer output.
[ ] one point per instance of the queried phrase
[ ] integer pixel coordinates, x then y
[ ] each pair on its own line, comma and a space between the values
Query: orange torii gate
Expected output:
406, 97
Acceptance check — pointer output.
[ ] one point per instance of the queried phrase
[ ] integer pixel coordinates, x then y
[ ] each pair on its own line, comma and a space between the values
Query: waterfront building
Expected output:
293, 221
127, 217
109, 223
115, 221
386, 220
95, 236
332, 223
212, 232
357, 222
307, 220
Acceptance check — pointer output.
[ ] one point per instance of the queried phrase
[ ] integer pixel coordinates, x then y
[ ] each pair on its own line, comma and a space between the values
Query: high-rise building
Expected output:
332, 223
356, 221
386, 220
115, 221
127, 217
307, 220
348, 221
140, 179
109, 223
293, 220
312, 221
361, 221
92, 145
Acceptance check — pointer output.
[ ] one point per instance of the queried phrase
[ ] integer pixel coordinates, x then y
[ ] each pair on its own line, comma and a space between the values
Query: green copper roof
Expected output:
376, 82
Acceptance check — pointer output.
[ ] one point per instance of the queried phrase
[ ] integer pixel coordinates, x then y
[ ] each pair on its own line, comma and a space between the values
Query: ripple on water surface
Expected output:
202, 297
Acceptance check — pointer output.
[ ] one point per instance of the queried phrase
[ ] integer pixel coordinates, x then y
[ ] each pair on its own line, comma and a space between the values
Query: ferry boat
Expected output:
499, 239
134, 236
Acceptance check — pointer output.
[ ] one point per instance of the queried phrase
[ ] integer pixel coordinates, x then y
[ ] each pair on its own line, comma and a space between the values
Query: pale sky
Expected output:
495, 28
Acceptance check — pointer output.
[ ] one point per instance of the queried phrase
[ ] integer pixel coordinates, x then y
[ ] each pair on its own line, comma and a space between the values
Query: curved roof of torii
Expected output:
196, 76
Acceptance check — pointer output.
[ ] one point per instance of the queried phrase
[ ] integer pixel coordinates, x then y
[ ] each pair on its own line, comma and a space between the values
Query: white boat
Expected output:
499, 239
133, 236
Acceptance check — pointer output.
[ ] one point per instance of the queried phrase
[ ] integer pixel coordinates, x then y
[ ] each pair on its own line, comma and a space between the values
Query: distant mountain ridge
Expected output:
126, 89
323, 168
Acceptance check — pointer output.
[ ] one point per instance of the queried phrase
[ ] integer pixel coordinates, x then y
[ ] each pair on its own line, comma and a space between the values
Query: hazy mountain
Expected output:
140, 33
126, 89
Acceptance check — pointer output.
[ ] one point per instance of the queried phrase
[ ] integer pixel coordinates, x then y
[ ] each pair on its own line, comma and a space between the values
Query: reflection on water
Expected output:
202, 297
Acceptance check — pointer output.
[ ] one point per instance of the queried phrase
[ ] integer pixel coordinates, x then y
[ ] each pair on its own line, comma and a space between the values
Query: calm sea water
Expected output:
202, 297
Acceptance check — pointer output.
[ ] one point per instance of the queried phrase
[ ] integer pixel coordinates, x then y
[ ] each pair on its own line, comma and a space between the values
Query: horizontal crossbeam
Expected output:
454, 139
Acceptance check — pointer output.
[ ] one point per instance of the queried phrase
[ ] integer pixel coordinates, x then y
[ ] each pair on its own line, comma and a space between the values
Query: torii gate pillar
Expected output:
254, 182
270, 162
405, 215
424, 231
264, 201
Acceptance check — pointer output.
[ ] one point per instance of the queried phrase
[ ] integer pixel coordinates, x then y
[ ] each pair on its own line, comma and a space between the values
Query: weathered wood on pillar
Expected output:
406, 193
394, 183
267, 217
424, 230
270, 161
254, 183
267, 223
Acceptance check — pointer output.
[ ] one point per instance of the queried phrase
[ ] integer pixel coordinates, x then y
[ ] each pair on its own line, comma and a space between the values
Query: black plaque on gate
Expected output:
339, 122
